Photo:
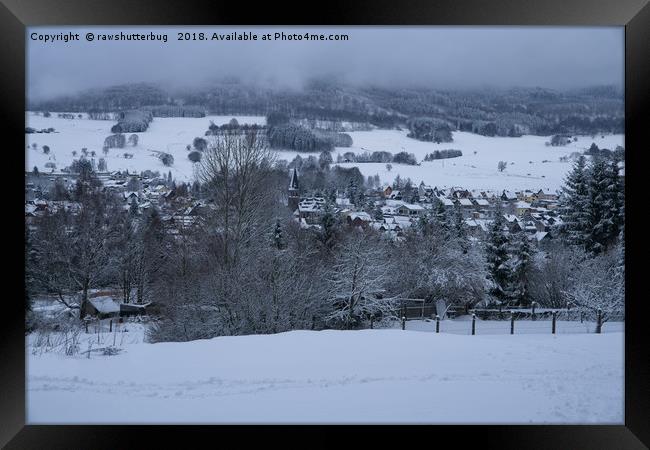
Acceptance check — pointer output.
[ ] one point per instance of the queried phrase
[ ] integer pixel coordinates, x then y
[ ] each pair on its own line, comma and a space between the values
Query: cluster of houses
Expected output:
178, 208
532, 211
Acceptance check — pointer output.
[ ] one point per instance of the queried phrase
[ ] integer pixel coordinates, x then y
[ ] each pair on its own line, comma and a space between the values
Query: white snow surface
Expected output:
368, 376
169, 135
172, 135
476, 171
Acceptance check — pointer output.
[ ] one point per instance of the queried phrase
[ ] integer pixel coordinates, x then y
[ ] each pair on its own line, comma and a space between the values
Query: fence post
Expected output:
473, 324
86, 327
553, 324
533, 314
512, 322
599, 321
581, 316
403, 323
372, 319
437, 323
110, 326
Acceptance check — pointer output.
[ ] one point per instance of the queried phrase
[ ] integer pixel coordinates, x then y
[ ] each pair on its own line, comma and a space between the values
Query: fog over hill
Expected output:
406, 57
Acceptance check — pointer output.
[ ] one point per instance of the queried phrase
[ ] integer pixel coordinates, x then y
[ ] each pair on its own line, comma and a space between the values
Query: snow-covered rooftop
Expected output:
105, 305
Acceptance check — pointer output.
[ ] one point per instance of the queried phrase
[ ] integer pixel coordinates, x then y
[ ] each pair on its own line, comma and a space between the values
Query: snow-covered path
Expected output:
368, 376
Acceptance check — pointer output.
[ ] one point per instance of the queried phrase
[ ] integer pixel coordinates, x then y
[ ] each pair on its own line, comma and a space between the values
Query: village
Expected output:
534, 212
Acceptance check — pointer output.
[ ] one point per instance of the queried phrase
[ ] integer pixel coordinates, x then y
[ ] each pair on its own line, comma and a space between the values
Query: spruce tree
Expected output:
377, 213
614, 201
459, 232
352, 192
600, 226
443, 220
327, 224
575, 198
496, 253
522, 254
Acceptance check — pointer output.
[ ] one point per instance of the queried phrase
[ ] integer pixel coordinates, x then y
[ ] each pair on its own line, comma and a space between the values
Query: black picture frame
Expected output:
15, 15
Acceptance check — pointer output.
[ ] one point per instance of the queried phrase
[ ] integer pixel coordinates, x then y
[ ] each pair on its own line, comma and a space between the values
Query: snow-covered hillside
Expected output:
369, 376
170, 135
476, 169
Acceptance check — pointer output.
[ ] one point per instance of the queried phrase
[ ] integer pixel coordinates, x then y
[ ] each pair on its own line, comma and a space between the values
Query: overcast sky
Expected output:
454, 57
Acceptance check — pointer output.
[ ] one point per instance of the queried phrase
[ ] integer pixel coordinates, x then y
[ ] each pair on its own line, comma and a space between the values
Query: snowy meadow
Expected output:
330, 376
531, 163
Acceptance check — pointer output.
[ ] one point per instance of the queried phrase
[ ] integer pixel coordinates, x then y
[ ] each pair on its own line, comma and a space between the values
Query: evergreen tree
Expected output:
440, 218
520, 265
353, 192
377, 213
603, 207
328, 223
615, 199
459, 232
425, 225
133, 209
575, 197
496, 253
278, 236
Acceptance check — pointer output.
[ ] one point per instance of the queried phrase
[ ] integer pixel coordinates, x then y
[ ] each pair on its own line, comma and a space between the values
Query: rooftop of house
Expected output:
412, 207
360, 215
311, 204
105, 305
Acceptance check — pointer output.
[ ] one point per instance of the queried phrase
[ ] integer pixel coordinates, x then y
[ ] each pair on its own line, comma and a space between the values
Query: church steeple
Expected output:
293, 183
294, 191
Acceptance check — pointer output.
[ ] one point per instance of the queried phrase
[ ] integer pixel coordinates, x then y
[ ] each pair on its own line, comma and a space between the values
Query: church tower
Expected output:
294, 191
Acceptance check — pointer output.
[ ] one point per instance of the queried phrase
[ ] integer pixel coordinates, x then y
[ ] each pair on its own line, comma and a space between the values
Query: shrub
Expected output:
194, 156
166, 159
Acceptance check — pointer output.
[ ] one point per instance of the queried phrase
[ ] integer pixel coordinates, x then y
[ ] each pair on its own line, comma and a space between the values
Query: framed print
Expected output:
375, 218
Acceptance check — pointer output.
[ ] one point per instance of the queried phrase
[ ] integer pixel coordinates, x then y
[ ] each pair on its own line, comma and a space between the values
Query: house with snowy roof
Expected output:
464, 203
425, 190
508, 196
395, 195
410, 210
522, 208
547, 194
527, 196
540, 237
358, 219
101, 307
403, 221
459, 192
481, 202
446, 202
311, 209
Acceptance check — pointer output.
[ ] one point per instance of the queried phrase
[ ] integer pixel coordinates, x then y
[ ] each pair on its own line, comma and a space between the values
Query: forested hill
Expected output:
509, 112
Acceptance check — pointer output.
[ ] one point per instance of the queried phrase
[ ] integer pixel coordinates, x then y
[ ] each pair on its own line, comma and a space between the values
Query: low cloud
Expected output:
439, 57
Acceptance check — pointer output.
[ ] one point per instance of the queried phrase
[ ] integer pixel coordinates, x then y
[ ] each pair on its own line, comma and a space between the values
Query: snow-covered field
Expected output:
368, 376
472, 170
170, 135
524, 155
